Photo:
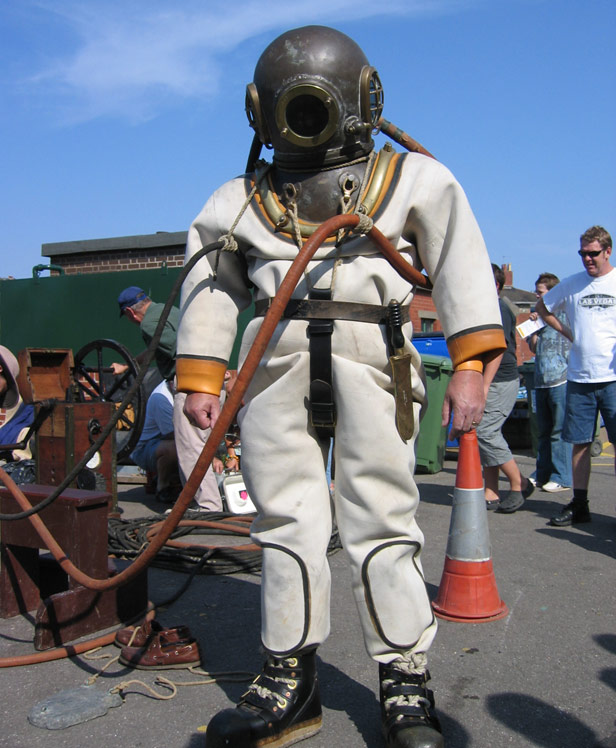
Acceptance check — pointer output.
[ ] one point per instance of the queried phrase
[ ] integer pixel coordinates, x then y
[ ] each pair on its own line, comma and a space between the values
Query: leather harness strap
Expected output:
322, 405
321, 311
331, 310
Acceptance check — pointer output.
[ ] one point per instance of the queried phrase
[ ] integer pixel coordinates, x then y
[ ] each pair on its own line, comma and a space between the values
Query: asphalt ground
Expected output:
545, 675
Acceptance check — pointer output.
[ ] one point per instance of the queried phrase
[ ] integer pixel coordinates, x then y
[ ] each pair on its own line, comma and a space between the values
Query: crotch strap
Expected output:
322, 408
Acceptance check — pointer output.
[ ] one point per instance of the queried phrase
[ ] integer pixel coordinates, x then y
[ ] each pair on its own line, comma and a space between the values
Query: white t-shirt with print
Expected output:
590, 305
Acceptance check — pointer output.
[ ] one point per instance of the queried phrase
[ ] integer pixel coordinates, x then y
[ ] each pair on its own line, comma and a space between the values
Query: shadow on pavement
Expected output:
341, 693
540, 723
596, 536
440, 494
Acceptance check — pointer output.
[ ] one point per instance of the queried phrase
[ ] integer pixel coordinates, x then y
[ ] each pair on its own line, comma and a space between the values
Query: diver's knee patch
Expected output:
395, 593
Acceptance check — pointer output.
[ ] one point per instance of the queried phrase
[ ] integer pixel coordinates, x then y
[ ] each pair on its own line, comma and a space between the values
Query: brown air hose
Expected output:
69, 650
402, 138
262, 338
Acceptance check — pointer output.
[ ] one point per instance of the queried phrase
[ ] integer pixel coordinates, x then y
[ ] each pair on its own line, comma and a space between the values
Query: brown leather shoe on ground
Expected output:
139, 634
142, 634
162, 653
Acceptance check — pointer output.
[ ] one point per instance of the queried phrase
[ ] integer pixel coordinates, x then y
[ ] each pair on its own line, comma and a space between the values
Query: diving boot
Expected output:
280, 708
407, 708
574, 513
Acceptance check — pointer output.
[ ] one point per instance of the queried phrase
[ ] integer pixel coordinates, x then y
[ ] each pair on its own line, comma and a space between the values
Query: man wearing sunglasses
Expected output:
589, 301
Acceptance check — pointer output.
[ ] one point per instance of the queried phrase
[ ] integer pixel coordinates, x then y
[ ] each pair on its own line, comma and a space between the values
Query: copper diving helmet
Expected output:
314, 99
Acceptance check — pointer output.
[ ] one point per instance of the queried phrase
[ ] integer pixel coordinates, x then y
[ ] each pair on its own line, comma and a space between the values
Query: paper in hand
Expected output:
525, 329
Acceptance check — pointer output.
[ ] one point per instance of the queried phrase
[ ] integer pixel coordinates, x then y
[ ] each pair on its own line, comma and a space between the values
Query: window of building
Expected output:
427, 320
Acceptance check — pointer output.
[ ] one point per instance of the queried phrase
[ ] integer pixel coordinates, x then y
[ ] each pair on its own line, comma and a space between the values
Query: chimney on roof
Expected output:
508, 275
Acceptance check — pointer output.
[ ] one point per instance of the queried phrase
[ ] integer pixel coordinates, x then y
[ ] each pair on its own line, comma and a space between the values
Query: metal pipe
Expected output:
37, 269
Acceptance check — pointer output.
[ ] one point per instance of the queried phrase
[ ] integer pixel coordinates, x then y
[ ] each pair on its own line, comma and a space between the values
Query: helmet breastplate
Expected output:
320, 195
317, 196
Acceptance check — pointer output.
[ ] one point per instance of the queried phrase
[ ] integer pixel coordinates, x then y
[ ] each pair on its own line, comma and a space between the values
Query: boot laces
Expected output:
415, 665
265, 693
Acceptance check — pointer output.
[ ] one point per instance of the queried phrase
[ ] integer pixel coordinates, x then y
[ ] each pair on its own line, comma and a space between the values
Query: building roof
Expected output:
522, 299
161, 239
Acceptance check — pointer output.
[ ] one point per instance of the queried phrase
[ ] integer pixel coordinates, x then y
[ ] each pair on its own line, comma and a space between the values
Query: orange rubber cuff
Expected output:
471, 365
199, 375
472, 345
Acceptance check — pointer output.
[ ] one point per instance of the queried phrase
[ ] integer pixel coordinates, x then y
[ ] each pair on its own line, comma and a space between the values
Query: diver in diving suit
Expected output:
326, 372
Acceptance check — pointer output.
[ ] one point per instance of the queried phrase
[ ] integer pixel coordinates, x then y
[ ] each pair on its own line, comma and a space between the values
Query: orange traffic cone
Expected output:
467, 592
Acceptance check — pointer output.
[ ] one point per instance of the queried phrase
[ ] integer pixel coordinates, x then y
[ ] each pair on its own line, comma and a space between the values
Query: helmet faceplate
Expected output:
314, 98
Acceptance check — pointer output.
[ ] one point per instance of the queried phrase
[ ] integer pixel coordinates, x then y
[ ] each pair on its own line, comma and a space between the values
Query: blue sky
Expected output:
120, 117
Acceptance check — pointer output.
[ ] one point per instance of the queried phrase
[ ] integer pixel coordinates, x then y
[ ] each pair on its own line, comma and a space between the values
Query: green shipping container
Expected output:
70, 311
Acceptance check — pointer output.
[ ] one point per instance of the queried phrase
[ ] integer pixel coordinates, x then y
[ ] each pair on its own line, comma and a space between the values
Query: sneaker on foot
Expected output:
553, 487
511, 503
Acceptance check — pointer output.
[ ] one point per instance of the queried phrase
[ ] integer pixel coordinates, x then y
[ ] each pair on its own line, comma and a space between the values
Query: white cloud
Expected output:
132, 59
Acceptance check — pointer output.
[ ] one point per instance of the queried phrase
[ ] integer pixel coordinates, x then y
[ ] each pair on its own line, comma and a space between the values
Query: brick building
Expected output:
142, 252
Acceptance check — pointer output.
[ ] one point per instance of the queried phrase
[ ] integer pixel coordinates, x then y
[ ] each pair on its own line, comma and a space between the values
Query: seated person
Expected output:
15, 416
155, 451
191, 441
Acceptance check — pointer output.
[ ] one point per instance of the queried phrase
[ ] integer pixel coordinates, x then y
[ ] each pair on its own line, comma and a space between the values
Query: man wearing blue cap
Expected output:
139, 308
